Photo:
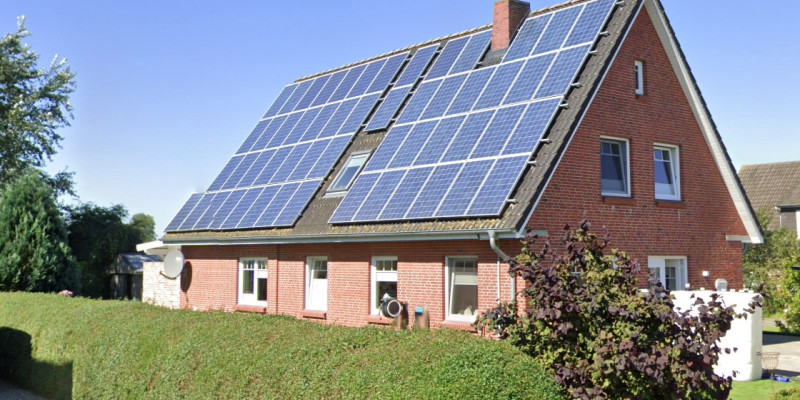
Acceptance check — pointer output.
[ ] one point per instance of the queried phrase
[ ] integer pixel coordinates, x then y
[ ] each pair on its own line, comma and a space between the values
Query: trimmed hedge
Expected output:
61, 347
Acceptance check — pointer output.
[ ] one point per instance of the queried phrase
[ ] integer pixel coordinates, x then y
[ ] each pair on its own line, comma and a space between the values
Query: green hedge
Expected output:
61, 347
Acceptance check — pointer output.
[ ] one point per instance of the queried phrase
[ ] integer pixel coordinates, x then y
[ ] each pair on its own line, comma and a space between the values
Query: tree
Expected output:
588, 322
34, 103
34, 254
144, 226
769, 264
97, 235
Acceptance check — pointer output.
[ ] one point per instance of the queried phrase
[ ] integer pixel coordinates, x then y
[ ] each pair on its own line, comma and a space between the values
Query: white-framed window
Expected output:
638, 68
671, 271
348, 174
615, 168
383, 280
317, 283
253, 281
461, 289
666, 172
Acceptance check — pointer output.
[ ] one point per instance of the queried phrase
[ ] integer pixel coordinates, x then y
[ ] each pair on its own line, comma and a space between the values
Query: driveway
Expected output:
789, 349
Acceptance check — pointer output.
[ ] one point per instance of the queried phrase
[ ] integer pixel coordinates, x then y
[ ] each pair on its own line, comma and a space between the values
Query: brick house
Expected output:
451, 151
775, 187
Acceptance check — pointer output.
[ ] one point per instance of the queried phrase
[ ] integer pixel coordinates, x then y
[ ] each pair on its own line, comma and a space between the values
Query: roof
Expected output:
132, 263
314, 221
772, 185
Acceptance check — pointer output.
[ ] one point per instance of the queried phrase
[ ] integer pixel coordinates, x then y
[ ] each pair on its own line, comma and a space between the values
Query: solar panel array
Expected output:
283, 161
463, 139
401, 89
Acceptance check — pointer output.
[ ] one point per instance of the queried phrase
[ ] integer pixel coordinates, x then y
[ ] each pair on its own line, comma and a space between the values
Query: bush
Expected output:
601, 336
79, 348
769, 264
792, 312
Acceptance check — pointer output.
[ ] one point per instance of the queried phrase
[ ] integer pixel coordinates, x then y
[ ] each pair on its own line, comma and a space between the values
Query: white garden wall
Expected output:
745, 334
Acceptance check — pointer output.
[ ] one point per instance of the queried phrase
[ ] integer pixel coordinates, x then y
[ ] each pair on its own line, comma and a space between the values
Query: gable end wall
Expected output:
697, 226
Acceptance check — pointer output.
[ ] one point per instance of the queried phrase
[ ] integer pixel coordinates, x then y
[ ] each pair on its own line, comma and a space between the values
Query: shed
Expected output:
126, 275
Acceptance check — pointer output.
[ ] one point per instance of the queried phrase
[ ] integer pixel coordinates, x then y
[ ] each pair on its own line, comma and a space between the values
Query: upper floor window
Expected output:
638, 68
384, 280
461, 292
253, 281
349, 172
666, 173
615, 168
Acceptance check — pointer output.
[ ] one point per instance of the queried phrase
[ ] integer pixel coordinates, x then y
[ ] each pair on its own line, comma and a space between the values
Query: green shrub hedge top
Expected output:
114, 349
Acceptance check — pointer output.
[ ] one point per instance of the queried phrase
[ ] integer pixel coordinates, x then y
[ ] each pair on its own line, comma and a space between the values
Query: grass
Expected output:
80, 348
762, 389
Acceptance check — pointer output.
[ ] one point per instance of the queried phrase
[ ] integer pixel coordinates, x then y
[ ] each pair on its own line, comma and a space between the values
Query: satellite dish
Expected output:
173, 264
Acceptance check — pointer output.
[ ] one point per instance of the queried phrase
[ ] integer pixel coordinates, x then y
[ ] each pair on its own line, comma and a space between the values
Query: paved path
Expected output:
8, 392
789, 349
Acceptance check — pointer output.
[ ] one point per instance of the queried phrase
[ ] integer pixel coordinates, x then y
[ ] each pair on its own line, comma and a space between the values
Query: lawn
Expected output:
762, 390
79, 348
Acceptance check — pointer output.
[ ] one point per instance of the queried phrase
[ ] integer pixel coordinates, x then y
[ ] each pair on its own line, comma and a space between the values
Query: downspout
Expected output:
277, 276
501, 256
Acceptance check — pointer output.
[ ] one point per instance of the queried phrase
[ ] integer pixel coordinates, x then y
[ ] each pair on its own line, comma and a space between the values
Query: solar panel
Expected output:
282, 162
472, 53
443, 97
464, 137
447, 58
280, 101
417, 65
527, 37
184, 211
388, 108
418, 102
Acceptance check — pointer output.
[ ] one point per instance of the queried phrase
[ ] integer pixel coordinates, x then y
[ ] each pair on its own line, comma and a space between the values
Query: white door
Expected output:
317, 284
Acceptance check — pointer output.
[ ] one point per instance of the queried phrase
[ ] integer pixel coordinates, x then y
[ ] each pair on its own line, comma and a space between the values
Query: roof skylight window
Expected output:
349, 172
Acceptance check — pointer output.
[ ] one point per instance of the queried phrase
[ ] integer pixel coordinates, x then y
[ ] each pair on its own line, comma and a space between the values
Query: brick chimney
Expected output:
508, 14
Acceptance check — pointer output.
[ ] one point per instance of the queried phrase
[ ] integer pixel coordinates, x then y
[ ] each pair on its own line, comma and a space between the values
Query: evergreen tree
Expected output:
34, 254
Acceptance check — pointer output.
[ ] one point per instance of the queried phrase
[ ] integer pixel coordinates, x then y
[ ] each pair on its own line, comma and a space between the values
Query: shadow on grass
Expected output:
17, 366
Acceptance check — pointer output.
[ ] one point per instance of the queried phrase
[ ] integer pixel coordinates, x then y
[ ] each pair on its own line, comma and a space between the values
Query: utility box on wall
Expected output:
745, 334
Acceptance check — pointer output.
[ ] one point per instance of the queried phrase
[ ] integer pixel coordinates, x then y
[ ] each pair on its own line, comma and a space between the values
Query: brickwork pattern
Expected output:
695, 227
508, 14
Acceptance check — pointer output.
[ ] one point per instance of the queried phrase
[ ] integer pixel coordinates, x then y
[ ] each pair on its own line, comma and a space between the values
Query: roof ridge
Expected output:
432, 41
771, 164
393, 52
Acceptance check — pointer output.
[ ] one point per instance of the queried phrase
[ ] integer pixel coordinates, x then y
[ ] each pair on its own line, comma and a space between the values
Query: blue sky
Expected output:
167, 90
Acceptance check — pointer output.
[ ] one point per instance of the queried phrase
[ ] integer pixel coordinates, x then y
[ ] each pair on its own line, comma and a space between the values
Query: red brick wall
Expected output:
697, 226
420, 270
508, 14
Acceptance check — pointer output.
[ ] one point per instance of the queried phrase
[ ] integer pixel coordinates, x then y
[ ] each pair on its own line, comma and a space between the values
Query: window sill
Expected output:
670, 204
459, 325
618, 201
379, 320
250, 309
314, 314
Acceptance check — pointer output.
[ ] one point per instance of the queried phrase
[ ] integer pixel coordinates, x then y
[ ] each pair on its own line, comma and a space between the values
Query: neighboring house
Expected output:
126, 275
775, 187
414, 173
